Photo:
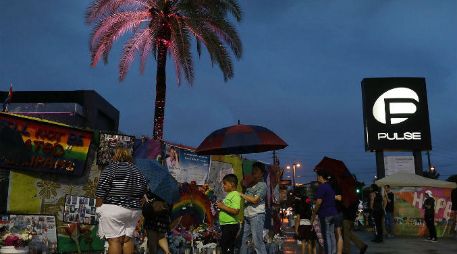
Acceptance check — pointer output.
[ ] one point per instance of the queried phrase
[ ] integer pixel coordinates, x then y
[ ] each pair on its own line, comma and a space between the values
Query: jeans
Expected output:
389, 220
328, 231
253, 227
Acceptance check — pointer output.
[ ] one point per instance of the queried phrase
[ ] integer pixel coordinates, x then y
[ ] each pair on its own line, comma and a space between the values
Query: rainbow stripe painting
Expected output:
194, 207
36, 145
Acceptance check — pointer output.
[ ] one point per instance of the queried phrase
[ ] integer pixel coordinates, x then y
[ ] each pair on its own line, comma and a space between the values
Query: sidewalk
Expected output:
398, 245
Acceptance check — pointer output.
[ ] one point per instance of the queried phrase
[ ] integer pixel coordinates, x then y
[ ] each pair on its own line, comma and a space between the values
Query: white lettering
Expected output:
396, 136
382, 135
447, 211
419, 199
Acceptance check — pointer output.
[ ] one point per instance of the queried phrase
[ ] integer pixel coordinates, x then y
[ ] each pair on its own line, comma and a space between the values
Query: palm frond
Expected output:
114, 27
100, 9
117, 21
228, 33
180, 48
141, 37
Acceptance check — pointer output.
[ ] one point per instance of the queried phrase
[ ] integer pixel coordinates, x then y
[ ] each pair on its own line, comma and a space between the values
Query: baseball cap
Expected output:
429, 192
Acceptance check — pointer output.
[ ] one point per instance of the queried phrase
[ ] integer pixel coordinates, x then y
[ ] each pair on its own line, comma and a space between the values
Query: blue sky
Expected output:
299, 75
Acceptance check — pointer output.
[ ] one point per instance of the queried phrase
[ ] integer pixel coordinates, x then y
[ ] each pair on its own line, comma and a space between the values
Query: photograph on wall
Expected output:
186, 166
44, 226
109, 142
79, 209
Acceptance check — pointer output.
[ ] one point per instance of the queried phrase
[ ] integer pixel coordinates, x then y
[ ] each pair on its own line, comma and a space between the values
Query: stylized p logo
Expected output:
395, 106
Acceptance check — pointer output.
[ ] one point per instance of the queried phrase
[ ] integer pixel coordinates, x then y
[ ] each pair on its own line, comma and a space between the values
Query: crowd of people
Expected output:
324, 222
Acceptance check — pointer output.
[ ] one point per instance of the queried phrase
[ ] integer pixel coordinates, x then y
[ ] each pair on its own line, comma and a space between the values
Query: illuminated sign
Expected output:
395, 114
29, 144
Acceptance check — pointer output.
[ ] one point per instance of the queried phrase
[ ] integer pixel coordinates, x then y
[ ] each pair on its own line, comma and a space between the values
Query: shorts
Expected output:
116, 221
306, 233
339, 220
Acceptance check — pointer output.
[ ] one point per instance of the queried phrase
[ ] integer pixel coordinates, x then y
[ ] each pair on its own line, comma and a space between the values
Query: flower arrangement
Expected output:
17, 240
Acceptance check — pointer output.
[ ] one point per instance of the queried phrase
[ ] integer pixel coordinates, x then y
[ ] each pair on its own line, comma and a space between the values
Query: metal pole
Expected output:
418, 162
428, 158
293, 175
380, 168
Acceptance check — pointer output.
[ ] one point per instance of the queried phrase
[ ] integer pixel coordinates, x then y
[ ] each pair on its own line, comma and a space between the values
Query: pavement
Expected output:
396, 245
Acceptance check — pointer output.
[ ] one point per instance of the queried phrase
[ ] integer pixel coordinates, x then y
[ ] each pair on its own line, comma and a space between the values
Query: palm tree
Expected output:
164, 27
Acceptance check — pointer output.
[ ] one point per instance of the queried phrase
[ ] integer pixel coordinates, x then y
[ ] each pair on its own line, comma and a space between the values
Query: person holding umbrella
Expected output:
119, 195
254, 212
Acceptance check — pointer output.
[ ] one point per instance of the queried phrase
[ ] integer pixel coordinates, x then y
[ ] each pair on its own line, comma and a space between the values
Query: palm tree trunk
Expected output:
161, 87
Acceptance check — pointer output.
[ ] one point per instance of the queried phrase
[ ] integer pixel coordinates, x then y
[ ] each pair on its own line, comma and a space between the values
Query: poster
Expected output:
42, 146
147, 148
186, 166
79, 210
108, 144
399, 164
44, 226
216, 174
409, 211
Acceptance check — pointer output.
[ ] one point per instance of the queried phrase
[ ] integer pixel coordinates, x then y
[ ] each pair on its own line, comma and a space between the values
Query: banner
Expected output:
35, 145
409, 211
186, 166
108, 144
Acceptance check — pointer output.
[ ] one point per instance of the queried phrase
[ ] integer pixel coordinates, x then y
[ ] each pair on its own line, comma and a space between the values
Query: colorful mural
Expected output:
38, 193
42, 146
409, 213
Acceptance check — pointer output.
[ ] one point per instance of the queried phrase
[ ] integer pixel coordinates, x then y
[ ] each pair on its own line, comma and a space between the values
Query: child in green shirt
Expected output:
229, 207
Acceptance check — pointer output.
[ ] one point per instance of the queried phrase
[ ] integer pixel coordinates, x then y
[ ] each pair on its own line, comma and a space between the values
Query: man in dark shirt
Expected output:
389, 211
326, 209
429, 215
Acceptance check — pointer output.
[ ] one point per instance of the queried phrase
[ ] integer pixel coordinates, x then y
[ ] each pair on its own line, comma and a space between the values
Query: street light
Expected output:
294, 167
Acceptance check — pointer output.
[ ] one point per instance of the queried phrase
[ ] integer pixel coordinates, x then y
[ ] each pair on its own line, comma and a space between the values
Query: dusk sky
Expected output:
300, 73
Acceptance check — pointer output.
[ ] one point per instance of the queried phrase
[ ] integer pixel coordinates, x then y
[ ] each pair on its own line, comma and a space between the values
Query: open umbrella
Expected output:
344, 179
160, 181
240, 139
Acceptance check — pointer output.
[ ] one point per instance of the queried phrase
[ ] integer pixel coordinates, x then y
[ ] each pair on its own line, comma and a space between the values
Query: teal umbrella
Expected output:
160, 181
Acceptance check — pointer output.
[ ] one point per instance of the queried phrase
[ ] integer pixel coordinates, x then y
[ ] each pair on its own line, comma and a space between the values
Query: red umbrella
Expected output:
344, 179
240, 139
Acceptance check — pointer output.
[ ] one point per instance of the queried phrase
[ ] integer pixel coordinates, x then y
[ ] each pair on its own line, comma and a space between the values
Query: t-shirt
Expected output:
232, 200
259, 190
328, 206
390, 203
429, 212
122, 184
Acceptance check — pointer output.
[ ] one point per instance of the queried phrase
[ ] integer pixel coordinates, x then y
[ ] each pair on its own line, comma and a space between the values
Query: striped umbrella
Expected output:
240, 139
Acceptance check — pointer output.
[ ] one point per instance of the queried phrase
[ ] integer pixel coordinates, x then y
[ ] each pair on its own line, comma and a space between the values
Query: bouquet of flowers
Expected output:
17, 240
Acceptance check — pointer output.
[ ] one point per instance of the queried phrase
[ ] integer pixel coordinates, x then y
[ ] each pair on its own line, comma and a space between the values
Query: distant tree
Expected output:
431, 173
165, 28
452, 178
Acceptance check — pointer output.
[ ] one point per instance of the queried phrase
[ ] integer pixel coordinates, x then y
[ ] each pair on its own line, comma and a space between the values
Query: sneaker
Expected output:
434, 240
428, 239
